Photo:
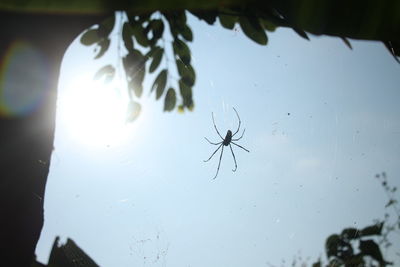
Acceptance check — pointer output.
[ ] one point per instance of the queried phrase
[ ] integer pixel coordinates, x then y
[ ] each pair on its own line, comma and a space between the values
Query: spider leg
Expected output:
212, 142
214, 153
240, 146
239, 122
234, 158
237, 139
215, 126
219, 163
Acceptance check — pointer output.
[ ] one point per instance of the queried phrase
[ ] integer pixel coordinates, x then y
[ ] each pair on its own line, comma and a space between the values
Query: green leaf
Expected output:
252, 28
108, 71
133, 111
186, 33
335, 263
136, 88
391, 202
331, 245
347, 42
375, 229
140, 35
189, 77
177, 21
268, 25
301, 33
90, 37
186, 94
106, 26
209, 16
159, 83
189, 80
370, 248
127, 36
182, 50
191, 106
135, 82
133, 62
354, 260
134, 65
104, 45
350, 233
180, 17
157, 28
170, 100
181, 67
227, 21
157, 56
144, 16
185, 90
186, 72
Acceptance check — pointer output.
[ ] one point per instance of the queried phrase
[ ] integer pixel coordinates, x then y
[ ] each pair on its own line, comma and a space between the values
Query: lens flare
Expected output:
24, 79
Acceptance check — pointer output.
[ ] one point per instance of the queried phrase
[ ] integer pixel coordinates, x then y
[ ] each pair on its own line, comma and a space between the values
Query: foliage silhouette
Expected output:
363, 247
146, 30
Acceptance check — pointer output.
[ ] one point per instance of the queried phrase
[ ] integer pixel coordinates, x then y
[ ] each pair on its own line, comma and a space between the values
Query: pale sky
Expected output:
321, 120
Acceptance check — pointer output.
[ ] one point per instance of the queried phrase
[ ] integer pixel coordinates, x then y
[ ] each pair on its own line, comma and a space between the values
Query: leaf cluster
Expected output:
375, 20
99, 36
143, 37
391, 224
354, 247
341, 248
146, 31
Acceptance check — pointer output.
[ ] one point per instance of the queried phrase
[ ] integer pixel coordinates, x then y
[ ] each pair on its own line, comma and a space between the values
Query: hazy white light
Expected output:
93, 113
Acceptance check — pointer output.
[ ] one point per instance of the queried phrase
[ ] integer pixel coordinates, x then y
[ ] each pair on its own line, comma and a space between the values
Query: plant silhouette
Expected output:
363, 247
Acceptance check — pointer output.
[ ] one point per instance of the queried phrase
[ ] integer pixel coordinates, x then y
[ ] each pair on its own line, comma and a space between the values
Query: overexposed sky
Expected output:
321, 120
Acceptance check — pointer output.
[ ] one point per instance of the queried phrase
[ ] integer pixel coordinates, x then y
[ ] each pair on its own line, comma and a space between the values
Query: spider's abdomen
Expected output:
228, 138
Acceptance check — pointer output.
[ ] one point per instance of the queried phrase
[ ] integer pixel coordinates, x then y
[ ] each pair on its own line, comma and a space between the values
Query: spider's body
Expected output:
228, 138
227, 141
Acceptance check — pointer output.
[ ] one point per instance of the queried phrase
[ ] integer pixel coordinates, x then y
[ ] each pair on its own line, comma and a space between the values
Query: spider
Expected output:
227, 141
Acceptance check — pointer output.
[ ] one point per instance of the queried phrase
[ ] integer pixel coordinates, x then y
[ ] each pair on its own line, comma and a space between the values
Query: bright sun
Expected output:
94, 113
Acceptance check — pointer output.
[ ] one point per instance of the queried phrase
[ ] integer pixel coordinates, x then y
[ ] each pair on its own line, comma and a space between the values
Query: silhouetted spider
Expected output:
227, 141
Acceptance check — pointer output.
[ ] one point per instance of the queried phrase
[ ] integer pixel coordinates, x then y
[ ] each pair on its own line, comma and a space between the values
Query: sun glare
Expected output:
94, 113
